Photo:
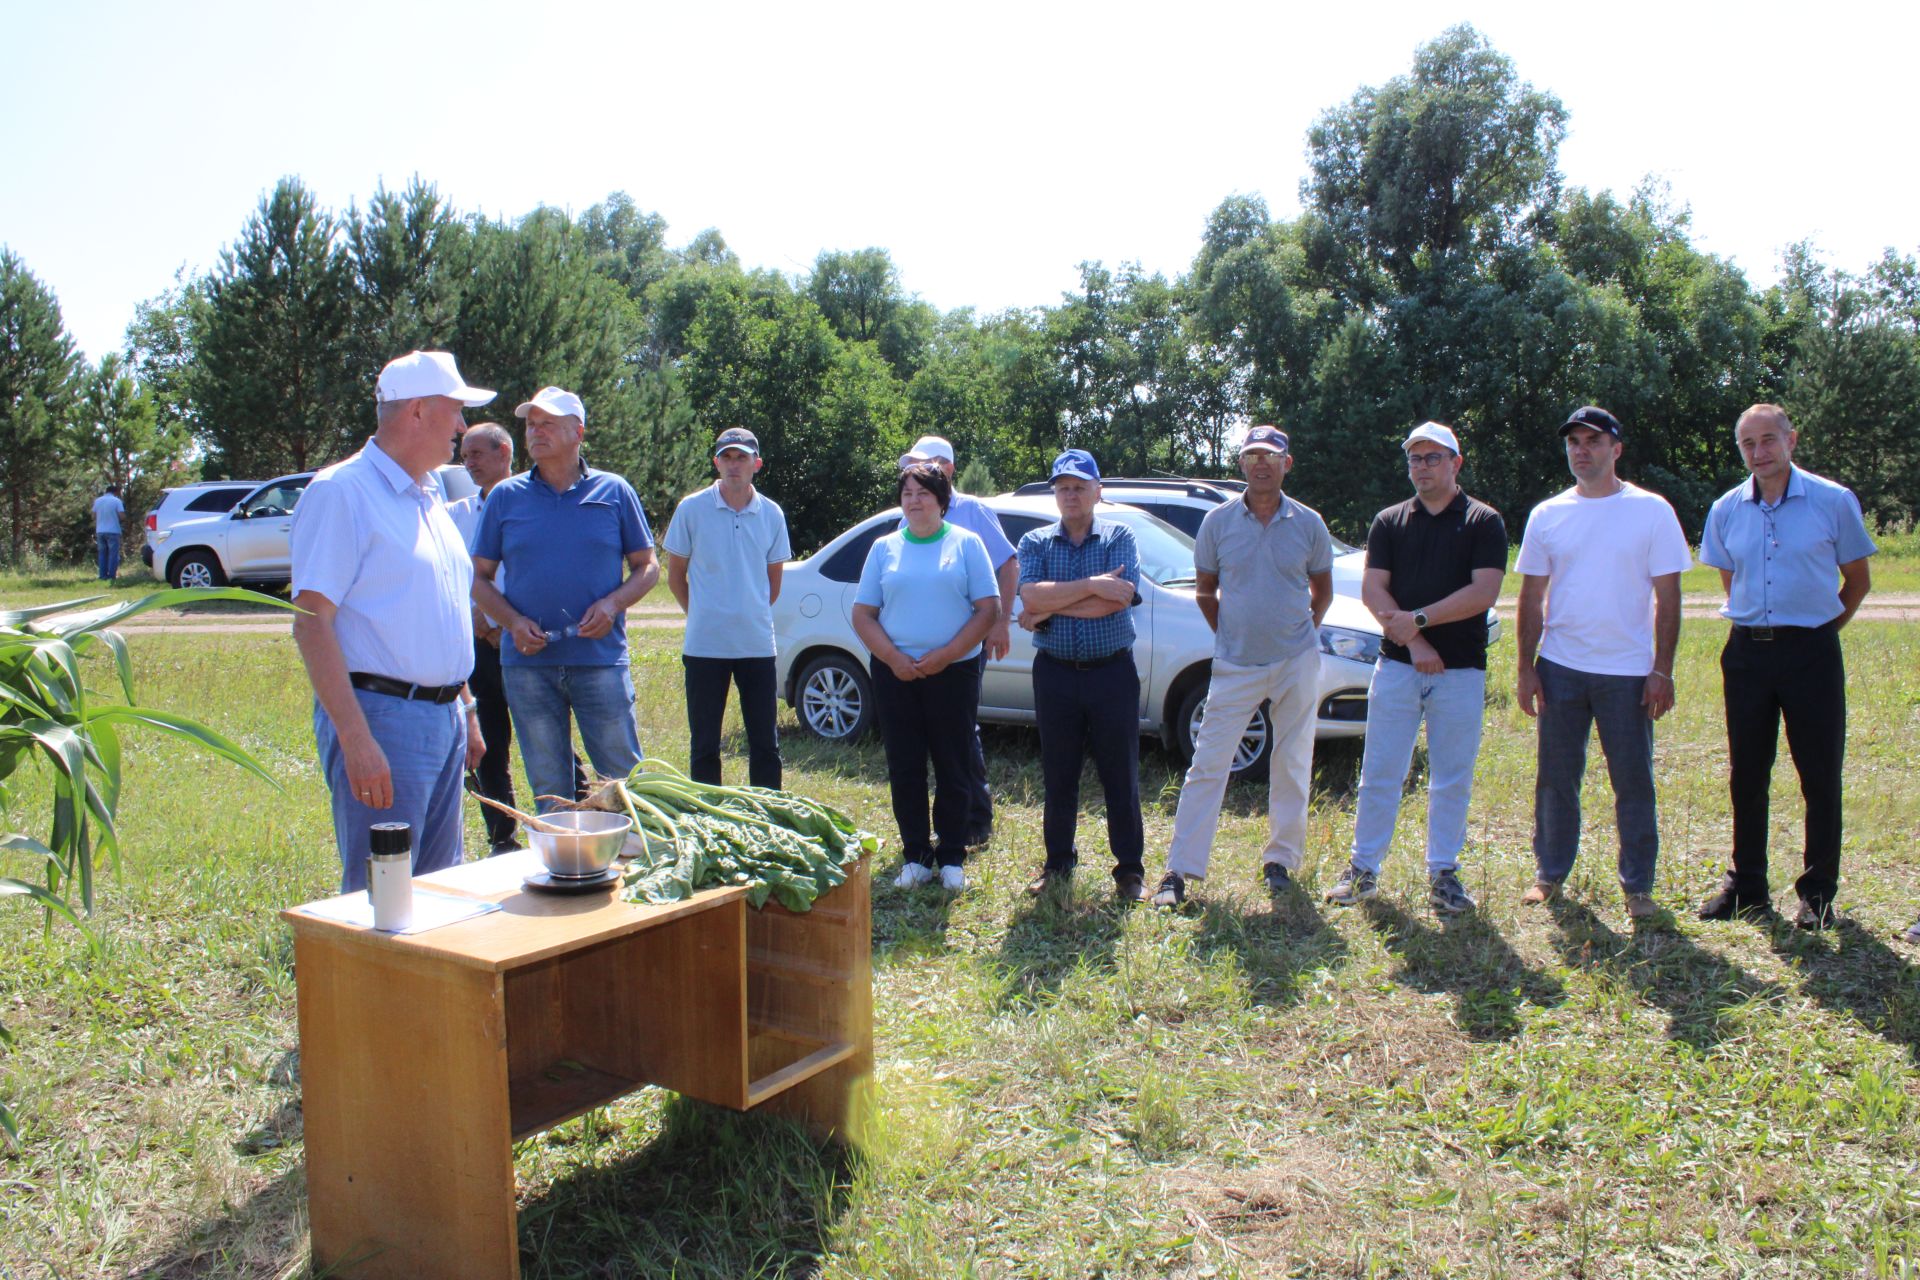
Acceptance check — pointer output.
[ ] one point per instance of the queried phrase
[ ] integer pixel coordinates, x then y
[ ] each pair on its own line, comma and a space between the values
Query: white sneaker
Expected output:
953, 879
912, 876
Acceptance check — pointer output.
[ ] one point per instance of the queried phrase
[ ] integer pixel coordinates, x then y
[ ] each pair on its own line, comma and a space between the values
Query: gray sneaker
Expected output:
1354, 886
1448, 896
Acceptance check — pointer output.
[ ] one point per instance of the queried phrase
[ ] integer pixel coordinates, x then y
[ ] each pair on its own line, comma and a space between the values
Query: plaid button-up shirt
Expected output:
1048, 555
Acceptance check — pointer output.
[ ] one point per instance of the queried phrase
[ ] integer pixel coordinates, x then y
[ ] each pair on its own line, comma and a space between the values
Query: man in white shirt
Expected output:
1599, 622
385, 582
486, 451
107, 510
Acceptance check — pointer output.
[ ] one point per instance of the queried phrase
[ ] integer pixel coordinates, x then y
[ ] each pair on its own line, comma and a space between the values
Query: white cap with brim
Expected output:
1438, 433
926, 449
426, 373
557, 401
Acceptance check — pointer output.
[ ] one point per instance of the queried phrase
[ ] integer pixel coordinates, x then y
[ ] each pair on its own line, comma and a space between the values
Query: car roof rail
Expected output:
1215, 490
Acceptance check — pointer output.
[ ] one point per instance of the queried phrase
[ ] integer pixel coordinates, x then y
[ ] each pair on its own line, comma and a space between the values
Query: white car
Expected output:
822, 666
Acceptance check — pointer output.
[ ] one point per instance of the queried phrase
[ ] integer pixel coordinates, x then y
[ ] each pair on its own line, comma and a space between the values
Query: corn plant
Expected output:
49, 716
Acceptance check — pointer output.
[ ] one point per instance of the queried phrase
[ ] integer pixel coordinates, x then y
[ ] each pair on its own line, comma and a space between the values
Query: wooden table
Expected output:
425, 1057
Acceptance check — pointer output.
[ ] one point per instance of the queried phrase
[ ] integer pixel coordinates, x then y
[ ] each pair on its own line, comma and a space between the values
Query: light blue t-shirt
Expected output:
1785, 558
106, 513
729, 605
925, 590
976, 516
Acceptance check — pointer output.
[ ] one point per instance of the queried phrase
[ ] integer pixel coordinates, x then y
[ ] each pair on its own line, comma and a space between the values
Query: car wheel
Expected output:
1256, 745
197, 569
835, 698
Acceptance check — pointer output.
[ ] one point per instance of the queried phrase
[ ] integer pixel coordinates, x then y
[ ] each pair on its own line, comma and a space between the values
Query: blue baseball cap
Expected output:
1077, 463
1270, 439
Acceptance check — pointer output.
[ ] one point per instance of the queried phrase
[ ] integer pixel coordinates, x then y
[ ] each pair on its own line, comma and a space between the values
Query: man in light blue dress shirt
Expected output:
1792, 550
384, 579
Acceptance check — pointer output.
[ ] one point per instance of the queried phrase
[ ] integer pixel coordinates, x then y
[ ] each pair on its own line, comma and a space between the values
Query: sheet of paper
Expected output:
430, 910
488, 877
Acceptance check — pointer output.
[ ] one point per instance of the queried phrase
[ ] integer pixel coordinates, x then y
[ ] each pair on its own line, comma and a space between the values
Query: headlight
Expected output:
1344, 642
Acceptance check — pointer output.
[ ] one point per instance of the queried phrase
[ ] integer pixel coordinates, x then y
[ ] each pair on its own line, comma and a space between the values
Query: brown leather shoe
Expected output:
1539, 892
1130, 889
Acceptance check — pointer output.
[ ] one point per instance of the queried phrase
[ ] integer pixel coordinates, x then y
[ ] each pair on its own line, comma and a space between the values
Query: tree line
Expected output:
1440, 268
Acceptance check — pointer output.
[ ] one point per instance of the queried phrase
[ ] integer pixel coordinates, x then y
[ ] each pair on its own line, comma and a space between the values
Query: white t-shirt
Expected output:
1600, 557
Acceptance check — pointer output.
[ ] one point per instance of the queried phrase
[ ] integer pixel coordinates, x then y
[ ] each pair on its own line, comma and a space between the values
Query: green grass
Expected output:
1065, 1089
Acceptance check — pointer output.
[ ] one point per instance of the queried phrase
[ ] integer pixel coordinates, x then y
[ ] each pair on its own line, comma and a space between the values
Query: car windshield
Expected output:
1166, 554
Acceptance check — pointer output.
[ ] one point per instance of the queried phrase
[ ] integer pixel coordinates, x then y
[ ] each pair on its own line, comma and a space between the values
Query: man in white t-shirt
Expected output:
1599, 622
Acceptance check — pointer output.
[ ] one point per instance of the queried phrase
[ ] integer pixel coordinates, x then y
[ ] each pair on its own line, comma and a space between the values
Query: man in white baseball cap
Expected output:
387, 636
577, 553
972, 514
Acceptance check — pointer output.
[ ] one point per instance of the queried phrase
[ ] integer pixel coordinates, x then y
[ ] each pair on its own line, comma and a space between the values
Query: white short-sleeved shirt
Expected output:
729, 601
1600, 557
385, 552
466, 518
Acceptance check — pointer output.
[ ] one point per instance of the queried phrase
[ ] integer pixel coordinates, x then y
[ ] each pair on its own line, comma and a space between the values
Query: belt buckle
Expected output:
1762, 634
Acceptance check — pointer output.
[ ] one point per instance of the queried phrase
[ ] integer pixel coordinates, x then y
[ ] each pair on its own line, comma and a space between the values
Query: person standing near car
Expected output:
107, 510
486, 450
1599, 621
971, 514
1434, 564
1079, 581
726, 548
383, 580
1792, 549
926, 600
577, 551
1263, 577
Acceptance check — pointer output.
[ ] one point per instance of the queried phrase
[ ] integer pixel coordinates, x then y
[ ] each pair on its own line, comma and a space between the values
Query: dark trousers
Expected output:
928, 718
979, 795
490, 703
1799, 675
706, 680
1095, 709
1572, 704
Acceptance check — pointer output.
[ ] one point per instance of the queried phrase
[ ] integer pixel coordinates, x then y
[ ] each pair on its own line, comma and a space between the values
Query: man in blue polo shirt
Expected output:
578, 554
1078, 583
726, 548
1792, 552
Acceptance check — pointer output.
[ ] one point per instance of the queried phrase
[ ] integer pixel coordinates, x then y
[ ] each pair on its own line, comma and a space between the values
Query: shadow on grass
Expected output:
1276, 948
1468, 959
1858, 975
1056, 933
1668, 969
253, 1237
715, 1194
907, 922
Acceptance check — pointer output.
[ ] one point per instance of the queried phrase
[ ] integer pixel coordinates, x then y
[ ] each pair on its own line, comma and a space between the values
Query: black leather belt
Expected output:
401, 689
1767, 635
1088, 664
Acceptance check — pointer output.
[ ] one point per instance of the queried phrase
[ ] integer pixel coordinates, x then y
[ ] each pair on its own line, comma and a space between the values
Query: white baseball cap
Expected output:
557, 401
1439, 433
926, 449
426, 373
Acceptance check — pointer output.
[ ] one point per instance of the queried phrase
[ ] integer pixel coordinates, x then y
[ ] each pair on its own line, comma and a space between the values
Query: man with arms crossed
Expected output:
1434, 564
486, 450
565, 533
1263, 570
1599, 622
1078, 583
1780, 539
975, 516
726, 549
383, 577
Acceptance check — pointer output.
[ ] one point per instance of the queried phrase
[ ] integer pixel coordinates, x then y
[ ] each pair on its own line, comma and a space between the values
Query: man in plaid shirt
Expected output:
1077, 586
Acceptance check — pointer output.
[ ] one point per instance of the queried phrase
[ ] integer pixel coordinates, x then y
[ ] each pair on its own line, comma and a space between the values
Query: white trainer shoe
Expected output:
912, 876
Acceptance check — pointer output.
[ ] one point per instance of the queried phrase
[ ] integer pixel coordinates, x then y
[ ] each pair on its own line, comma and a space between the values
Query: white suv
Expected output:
186, 502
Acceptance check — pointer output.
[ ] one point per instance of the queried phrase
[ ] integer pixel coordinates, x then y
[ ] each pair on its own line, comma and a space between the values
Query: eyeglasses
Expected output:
1427, 459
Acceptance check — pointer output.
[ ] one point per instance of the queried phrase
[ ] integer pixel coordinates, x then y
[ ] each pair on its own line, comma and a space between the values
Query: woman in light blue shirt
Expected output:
926, 599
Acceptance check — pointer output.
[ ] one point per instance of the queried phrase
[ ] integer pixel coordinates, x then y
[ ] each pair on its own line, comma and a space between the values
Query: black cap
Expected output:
736, 438
1593, 417
389, 837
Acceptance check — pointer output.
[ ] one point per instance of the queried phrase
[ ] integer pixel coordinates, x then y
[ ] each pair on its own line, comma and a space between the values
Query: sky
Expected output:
989, 147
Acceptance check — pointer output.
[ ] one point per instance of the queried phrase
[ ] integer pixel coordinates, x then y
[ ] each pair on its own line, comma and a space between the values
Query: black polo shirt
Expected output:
1428, 558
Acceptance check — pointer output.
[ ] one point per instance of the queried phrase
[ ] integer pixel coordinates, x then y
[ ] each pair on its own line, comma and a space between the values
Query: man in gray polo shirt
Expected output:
726, 548
1263, 568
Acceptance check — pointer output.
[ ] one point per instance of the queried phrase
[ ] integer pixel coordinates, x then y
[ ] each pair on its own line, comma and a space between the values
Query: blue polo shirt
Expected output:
729, 604
562, 552
1785, 557
1048, 555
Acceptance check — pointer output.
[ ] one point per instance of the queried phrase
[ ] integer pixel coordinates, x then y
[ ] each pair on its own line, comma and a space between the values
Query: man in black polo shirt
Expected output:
1434, 564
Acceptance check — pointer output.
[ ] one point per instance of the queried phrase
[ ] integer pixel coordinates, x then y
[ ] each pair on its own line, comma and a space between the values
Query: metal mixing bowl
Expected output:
588, 853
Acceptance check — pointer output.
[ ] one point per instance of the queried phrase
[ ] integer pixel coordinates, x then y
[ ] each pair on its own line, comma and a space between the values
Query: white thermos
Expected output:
390, 875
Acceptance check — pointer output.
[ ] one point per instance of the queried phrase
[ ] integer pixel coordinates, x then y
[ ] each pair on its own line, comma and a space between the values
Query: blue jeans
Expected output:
107, 555
1572, 704
426, 748
1453, 703
545, 699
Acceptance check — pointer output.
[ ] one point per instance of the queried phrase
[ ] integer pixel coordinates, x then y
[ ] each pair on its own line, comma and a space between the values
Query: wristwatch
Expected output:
1420, 619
